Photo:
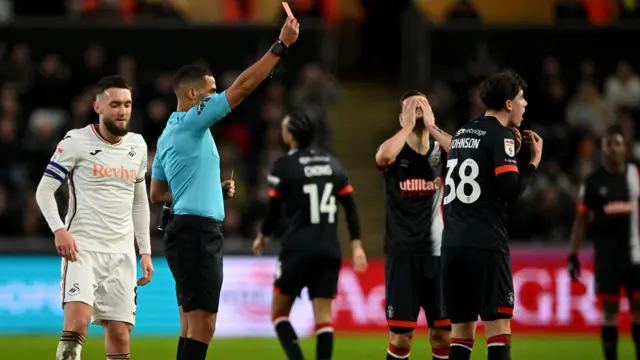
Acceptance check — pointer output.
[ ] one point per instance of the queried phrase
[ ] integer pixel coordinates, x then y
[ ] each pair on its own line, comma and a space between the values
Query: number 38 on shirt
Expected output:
466, 190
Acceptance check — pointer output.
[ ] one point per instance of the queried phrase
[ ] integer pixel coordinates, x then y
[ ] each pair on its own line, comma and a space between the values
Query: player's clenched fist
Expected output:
290, 31
66, 245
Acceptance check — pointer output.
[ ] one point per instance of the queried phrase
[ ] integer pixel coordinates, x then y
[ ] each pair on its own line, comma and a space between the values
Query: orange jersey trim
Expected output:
506, 168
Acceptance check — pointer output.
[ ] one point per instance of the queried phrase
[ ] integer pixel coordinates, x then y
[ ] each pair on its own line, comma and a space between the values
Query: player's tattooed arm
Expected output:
389, 150
441, 136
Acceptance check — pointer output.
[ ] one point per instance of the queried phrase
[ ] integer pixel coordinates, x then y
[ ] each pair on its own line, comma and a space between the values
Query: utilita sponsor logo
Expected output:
420, 186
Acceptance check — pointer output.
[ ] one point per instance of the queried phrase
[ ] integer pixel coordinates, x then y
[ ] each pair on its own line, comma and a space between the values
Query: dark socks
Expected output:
460, 349
395, 353
499, 347
288, 338
180, 344
324, 341
635, 334
609, 336
193, 350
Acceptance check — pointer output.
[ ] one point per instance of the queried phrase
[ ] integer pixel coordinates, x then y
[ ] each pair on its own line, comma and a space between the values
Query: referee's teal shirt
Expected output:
187, 159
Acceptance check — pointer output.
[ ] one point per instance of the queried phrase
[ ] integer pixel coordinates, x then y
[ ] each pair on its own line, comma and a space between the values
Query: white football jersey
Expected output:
101, 178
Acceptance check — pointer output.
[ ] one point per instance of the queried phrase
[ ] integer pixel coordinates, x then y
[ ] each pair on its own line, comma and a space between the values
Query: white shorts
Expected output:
105, 281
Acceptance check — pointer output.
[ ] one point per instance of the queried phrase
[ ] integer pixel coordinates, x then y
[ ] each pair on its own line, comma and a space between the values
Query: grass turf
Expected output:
347, 347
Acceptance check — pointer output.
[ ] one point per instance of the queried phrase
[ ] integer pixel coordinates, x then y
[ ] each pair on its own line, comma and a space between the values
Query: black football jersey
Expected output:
474, 214
309, 183
413, 189
613, 200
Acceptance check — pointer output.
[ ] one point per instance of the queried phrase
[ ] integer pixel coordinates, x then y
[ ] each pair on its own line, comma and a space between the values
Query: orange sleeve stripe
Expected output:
345, 190
274, 194
582, 208
506, 168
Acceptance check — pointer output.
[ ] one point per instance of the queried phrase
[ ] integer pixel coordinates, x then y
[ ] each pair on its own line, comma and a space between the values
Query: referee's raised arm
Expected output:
216, 106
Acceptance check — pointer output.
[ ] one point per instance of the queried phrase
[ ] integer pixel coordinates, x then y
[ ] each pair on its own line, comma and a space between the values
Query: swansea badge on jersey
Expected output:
510, 147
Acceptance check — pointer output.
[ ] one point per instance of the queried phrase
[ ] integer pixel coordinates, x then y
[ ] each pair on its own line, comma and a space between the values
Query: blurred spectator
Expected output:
93, 67
316, 89
463, 10
554, 211
623, 88
19, 69
587, 111
49, 84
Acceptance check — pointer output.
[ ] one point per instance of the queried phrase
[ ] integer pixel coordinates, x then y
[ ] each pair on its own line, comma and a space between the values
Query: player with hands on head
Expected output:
306, 183
412, 163
608, 215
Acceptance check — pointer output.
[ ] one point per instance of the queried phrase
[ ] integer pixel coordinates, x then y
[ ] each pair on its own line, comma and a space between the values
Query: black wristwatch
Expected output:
278, 48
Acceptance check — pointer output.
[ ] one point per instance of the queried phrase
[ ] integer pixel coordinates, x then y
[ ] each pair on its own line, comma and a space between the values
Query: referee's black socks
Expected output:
287, 337
180, 344
193, 350
609, 336
635, 334
324, 341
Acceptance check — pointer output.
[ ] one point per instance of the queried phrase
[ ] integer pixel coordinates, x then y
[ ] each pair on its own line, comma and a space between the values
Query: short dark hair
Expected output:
189, 73
302, 128
614, 129
499, 88
110, 82
410, 93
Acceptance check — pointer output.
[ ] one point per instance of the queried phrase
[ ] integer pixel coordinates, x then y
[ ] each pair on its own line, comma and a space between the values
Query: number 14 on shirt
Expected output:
326, 205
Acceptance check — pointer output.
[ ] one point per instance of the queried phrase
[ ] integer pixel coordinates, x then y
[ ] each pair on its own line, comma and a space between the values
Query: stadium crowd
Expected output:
41, 99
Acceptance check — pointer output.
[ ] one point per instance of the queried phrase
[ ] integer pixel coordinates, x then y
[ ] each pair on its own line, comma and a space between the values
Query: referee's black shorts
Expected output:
193, 248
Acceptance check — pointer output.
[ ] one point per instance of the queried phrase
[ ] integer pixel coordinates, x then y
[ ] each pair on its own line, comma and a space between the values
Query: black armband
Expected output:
351, 212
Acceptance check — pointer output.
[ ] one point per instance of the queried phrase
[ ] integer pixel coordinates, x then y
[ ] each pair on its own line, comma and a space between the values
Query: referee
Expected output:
186, 172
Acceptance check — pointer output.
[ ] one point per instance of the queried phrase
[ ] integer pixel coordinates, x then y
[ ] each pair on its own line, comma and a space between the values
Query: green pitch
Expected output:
346, 348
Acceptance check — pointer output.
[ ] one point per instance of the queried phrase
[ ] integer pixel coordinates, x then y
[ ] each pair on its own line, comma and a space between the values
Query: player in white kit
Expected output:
105, 168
